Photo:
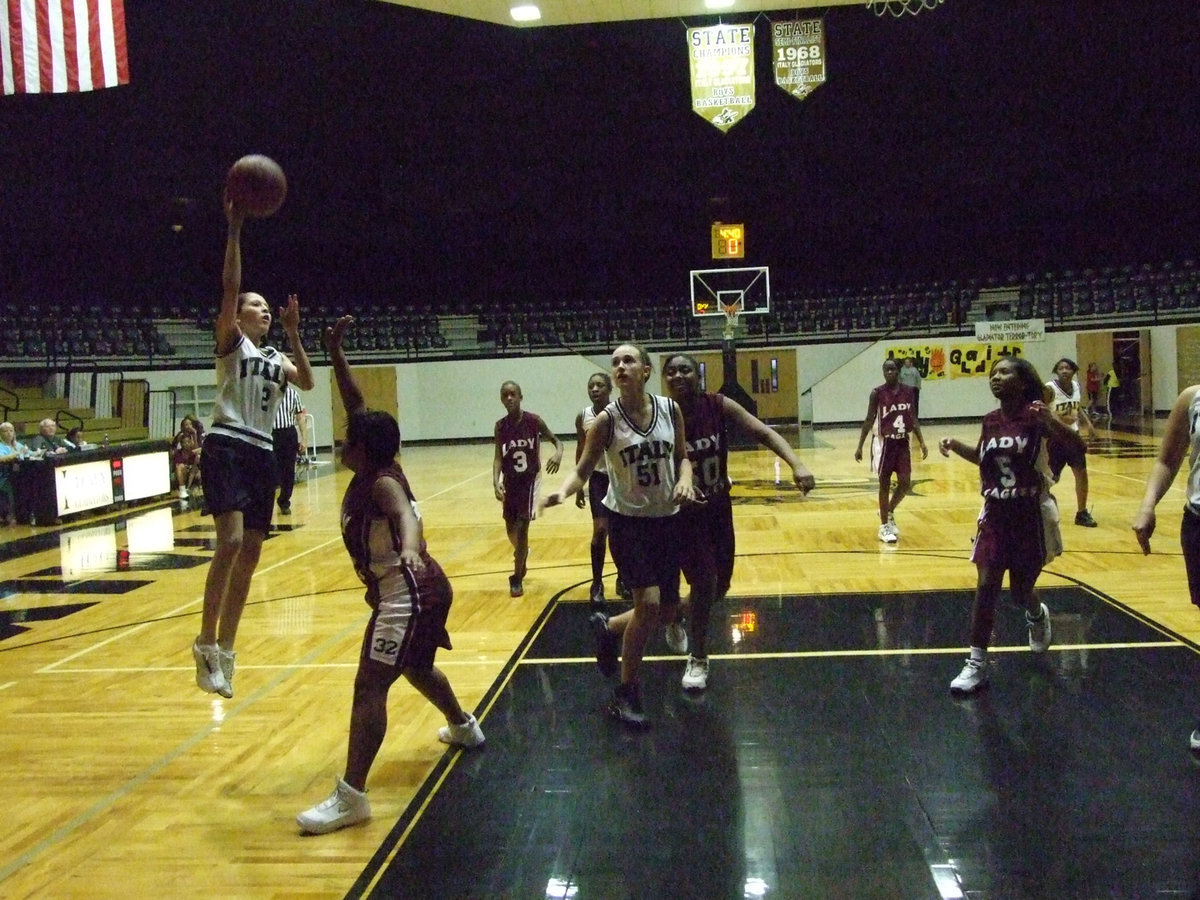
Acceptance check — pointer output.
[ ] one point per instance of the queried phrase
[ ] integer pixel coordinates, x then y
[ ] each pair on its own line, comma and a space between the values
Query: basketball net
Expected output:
731, 310
899, 8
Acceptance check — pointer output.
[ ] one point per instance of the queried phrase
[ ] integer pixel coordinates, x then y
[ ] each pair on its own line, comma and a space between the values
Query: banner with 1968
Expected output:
799, 55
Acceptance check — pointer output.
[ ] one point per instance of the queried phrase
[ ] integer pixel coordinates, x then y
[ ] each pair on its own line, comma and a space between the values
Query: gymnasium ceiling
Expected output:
580, 12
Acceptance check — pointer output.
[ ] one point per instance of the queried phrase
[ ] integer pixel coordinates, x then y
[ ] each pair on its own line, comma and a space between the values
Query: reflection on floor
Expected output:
90, 551
11, 619
826, 759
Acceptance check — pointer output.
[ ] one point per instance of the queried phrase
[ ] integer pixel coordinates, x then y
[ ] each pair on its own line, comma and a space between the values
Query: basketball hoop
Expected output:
732, 293
899, 8
731, 310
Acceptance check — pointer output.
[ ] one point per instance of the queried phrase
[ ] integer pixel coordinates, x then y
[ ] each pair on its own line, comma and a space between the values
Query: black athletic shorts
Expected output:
239, 477
597, 487
647, 552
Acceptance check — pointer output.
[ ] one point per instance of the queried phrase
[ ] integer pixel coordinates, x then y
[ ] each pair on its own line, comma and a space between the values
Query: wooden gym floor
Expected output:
827, 758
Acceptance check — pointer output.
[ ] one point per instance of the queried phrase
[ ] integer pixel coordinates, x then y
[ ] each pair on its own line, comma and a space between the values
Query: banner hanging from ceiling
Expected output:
799, 55
722, 66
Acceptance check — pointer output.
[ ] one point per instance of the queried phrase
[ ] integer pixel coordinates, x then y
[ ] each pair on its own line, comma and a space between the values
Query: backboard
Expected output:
900, 8
715, 292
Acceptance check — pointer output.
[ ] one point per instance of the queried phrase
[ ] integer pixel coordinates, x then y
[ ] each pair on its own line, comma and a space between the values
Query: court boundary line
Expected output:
152, 769
394, 841
941, 553
1131, 612
849, 654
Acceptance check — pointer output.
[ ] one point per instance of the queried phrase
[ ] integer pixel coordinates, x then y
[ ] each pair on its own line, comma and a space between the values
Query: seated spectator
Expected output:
10, 451
47, 442
185, 454
75, 436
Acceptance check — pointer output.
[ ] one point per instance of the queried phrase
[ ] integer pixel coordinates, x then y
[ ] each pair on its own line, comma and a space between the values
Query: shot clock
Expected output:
728, 241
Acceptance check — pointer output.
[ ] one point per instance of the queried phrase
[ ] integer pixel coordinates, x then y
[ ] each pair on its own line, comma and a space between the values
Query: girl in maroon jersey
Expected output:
185, 454
407, 591
516, 468
708, 545
892, 412
1018, 526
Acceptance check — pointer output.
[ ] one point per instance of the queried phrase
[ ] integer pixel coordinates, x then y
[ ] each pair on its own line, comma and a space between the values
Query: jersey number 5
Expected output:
1007, 478
647, 474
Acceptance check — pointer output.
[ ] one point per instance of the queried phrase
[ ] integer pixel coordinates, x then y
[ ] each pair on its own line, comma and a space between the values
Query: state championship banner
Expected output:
59, 46
799, 49
721, 59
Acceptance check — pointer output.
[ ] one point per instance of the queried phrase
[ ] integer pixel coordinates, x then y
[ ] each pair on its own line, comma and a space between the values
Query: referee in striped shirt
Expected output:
288, 444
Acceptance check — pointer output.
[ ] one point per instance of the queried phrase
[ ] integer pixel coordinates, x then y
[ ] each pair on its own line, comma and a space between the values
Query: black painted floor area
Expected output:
846, 772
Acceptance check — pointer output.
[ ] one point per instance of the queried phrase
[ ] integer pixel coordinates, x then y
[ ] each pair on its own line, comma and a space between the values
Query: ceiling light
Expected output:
718, 4
525, 13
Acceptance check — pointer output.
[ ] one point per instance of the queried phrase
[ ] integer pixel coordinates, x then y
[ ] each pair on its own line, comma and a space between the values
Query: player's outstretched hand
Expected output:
944, 446
233, 213
554, 499
1143, 527
804, 479
685, 493
289, 316
412, 560
1044, 412
336, 332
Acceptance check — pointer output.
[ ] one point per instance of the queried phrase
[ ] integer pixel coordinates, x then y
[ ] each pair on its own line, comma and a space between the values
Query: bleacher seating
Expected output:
25, 407
176, 332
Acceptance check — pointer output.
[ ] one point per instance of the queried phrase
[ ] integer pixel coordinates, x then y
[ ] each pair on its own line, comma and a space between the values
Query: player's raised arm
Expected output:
593, 449
769, 438
298, 368
953, 445
227, 331
352, 398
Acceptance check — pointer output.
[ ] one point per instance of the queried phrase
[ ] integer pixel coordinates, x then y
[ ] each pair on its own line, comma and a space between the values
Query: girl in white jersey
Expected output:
1066, 401
238, 464
1181, 438
642, 440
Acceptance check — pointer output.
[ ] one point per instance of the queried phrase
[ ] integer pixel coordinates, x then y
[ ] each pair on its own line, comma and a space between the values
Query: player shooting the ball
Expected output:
238, 464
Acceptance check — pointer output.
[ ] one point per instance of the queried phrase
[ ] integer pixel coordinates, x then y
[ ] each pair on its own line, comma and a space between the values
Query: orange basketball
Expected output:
256, 185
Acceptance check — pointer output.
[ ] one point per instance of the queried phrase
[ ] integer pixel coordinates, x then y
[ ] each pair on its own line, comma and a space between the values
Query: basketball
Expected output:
256, 185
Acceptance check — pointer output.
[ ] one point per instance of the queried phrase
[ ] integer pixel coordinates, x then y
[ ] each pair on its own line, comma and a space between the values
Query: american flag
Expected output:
56, 46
